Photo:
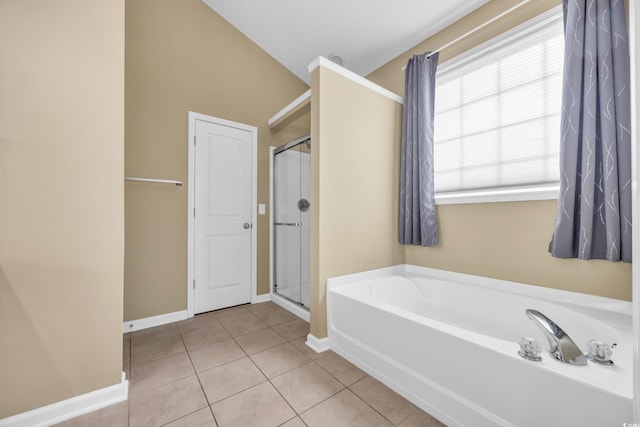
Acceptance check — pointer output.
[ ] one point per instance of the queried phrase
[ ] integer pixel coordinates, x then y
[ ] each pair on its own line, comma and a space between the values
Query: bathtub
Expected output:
448, 342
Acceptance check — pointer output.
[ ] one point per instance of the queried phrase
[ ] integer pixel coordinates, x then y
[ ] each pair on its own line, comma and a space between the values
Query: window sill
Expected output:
514, 194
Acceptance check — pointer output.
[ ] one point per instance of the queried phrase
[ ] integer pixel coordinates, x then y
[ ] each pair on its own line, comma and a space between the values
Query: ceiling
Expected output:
366, 34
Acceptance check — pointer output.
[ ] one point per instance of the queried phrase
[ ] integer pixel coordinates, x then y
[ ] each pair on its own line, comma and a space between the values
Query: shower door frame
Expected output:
282, 301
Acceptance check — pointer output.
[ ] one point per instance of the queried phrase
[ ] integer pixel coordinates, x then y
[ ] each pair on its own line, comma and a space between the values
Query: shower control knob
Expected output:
303, 205
246, 225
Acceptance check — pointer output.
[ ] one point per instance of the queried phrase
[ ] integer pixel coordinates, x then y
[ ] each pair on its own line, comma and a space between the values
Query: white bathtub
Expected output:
448, 342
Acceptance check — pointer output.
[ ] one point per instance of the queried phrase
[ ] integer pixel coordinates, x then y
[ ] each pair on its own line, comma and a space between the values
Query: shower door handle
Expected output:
246, 226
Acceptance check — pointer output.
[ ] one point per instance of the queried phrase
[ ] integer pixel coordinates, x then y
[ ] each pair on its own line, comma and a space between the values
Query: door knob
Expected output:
246, 225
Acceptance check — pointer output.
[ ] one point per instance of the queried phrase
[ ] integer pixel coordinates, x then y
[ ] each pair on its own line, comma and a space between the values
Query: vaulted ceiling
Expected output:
364, 34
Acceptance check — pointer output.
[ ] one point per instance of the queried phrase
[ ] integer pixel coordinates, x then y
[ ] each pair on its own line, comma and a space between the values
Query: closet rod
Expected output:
479, 27
160, 181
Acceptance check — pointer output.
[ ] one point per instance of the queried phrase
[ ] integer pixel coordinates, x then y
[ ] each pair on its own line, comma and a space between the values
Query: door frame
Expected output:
193, 119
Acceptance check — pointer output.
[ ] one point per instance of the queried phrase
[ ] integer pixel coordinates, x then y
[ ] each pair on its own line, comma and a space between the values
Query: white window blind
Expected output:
497, 111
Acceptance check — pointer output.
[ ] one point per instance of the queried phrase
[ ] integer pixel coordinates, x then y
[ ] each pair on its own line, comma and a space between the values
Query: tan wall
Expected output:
181, 56
492, 240
354, 183
502, 240
61, 192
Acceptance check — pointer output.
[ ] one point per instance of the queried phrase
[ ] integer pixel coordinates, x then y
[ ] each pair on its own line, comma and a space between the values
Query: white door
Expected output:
222, 216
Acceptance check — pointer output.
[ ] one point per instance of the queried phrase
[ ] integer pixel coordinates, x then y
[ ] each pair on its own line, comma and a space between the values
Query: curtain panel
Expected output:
417, 218
593, 219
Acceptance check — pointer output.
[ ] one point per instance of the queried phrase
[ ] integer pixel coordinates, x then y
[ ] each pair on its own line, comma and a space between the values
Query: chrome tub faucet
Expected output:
561, 347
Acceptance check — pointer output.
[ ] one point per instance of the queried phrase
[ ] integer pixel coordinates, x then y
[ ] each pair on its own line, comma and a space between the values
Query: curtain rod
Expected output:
479, 27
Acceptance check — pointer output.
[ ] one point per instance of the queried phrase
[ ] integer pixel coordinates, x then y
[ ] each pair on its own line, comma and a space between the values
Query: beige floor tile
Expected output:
294, 329
275, 317
112, 416
263, 307
259, 340
384, 400
344, 371
151, 375
296, 422
201, 418
231, 378
344, 409
233, 313
197, 322
237, 327
213, 355
421, 419
153, 334
301, 344
205, 336
306, 386
167, 403
259, 406
280, 359
156, 349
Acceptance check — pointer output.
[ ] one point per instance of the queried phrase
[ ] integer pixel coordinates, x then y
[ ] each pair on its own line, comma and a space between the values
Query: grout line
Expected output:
198, 376
188, 352
128, 411
369, 405
130, 383
416, 408
410, 414
234, 338
194, 368
226, 363
291, 419
186, 415
238, 392
213, 415
284, 398
206, 398
269, 379
220, 365
324, 400
313, 406
298, 414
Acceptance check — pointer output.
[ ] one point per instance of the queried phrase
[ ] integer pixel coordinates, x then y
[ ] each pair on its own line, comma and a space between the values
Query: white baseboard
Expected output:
262, 298
318, 344
70, 408
150, 322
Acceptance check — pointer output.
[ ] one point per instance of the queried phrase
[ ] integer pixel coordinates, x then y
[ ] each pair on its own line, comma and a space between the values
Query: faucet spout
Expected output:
561, 347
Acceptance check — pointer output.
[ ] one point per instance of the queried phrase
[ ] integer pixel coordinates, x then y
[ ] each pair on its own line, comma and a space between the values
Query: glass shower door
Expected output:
291, 223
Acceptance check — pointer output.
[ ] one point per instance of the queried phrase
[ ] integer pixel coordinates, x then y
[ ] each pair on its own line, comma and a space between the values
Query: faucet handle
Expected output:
599, 352
530, 349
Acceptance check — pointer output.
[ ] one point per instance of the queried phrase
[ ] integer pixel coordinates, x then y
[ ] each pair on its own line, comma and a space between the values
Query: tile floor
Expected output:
246, 366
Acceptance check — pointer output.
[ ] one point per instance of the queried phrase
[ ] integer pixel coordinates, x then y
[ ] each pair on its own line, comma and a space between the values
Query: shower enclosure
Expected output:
291, 214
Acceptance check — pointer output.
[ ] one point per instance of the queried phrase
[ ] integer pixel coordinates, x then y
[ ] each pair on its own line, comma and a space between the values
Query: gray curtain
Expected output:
417, 221
593, 220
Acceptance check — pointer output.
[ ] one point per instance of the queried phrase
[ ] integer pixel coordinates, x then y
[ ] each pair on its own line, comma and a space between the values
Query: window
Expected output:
497, 112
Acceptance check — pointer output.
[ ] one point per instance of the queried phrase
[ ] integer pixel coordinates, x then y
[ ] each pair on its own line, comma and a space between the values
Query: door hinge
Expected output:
194, 283
194, 211
194, 140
